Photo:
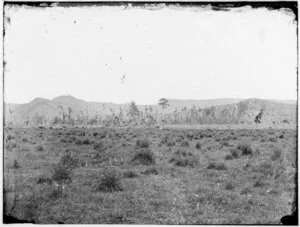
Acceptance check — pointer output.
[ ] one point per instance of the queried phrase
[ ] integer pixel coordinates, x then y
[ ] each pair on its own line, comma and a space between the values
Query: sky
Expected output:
113, 54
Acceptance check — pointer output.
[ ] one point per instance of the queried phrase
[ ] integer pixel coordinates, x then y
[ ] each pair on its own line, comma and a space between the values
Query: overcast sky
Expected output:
111, 54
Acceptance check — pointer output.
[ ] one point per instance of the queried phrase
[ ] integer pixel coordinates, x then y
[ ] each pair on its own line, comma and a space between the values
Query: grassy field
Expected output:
149, 176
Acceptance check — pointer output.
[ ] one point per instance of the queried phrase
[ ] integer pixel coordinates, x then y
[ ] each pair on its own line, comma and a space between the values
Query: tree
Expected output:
70, 111
133, 112
164, 103
258, 117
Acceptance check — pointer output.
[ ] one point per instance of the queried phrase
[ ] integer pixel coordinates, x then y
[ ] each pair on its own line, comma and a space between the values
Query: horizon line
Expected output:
189, 99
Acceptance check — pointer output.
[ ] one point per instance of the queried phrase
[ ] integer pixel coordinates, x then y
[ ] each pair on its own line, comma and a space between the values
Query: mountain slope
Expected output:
217, 111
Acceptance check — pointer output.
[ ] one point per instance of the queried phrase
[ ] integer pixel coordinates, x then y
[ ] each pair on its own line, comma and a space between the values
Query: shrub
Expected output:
69, 161
25, 140
110, 181
229, 186
16, 165
95, 134
245, 148
185, 143
144, 156
150, 171
78, 142
198, 145
170, 143
234, 153
99, 146
225, 144
39, 148
228, 157
62, 173
258, 183
143, 143
87, 141
281, 136
276, 154
43, 179
272, 139
183, 158
55, 193
217, 166
130, 174
63, 169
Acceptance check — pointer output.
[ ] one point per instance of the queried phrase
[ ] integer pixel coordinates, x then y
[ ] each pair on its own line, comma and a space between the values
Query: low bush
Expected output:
144, 156
229, 186
143, 143
245, 148
185, 143
16, 165
229, 157
234, 153
110, 181
217, 166
151, 171
276, 154
184, 158
130, 174
99, 146
62, 170
273, 139
198, 145
39, 148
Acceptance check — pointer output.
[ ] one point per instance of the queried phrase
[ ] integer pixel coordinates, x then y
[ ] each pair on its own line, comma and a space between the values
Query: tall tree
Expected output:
164, 103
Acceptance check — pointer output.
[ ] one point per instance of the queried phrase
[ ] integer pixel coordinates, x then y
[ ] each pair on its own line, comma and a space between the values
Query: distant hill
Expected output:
211, 111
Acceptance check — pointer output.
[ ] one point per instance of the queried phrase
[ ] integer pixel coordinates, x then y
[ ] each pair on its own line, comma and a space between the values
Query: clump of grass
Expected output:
24, 139
130, 174
198, 145
110, 181
87, 141
185, 143
228, 157
170, 143
144, 156
16, 165
143, 143
43, 179
39, 148
229, 186
151, 171
259, 183
79, 142
217, 166
245, 148
99, 146
225, 144
63, 169
273, 139
184, 158
276, 154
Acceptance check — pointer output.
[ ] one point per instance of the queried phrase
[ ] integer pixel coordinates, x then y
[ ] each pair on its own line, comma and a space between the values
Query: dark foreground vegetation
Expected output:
149, 176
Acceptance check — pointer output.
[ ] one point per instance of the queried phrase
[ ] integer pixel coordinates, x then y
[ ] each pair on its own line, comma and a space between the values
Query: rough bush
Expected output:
143, 143
39, 148
144, 156
184, 158
130, 174
198, 145
217, 166
151, 171
110, 181
245, 148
